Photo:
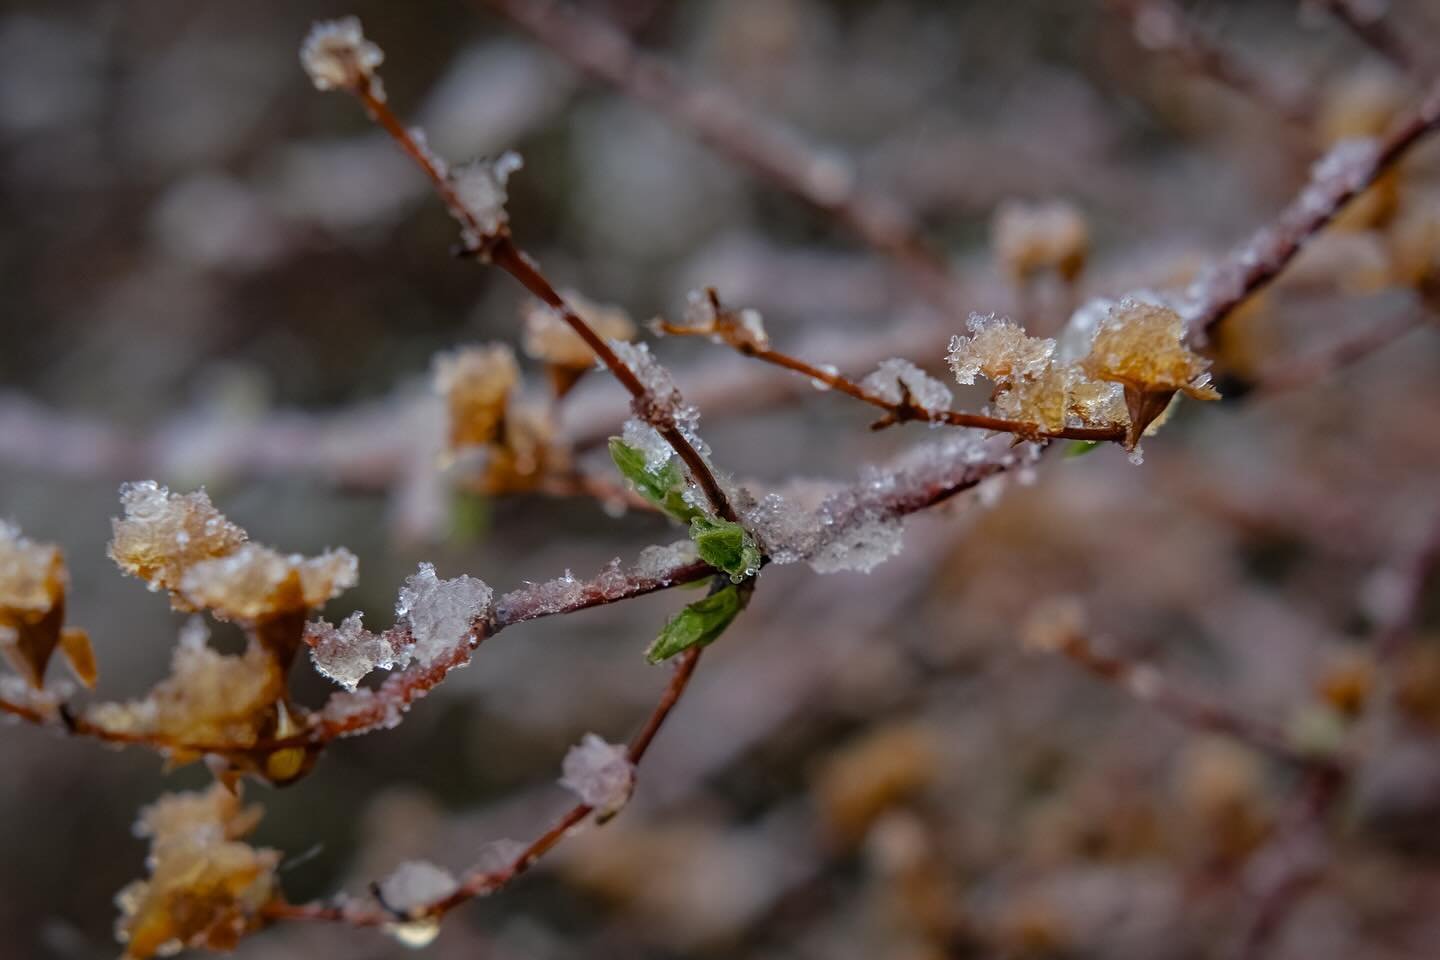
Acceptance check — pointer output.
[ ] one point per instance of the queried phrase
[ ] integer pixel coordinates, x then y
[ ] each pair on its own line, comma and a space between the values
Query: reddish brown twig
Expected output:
1162, 26
482, 882
1148, 685
906, 409
1374, 30
721, 121
1254, 264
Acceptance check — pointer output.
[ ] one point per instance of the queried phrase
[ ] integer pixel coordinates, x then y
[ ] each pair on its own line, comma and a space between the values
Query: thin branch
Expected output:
483, 882
1162, 26
1148, 685
906, 409
717, 118
1320, 365
1372, 28
1336, 180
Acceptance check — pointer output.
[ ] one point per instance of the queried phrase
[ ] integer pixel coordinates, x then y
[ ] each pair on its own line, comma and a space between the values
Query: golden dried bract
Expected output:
476, 382
206, 887
33, 581
548, 338
1028, 239
163, 534
210, 698
1141, 346
256, 582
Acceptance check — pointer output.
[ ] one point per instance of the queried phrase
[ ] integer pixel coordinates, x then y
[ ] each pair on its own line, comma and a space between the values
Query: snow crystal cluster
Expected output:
885, 382
337, 56
415, 885
656, 562
480, 189
255, 580
998, 349
743, 329
439, 613
662, 406
600, 774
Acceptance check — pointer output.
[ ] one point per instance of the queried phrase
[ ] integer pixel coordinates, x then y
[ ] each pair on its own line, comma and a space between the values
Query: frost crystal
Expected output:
600, 774
998, 349
348, 652
441, 613
555, 596
337, 56
480, 189
416, 885
657, 562
827, 368
645, 438
924, 389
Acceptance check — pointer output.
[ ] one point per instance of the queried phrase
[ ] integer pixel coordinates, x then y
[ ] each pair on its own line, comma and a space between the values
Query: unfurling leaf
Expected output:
698, 625
663, 486
726, 546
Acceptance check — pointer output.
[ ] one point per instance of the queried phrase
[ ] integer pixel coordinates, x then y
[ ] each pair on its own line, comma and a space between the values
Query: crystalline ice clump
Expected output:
599, 773
657, 562
415, 885
645, 438
440, 613
924, 389
480, 188
336, 55
348, 652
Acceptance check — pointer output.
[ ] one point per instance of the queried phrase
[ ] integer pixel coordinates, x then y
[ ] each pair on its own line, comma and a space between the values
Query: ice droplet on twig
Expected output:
600, 774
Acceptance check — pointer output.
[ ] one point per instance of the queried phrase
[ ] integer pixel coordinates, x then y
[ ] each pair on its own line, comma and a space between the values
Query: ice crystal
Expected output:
415, 885
256, 581
337, 56
858, 541
924, 390
206, 886
480, 189
997, 349
657, 562
550, 339
476, 382
162, 533
705, 316
557, 595
441, 614
647, 440
1030, 238
829, 369
600, 774
349, 652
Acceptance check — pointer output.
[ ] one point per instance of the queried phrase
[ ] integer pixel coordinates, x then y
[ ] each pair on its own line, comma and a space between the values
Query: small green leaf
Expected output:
663, 486
1078, 448
726, 546
698, 625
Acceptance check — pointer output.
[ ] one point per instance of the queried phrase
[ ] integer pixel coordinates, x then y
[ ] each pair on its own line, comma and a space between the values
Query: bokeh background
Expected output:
214, 275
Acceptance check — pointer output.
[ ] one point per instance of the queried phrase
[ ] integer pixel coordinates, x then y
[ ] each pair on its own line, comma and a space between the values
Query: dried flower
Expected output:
33, 581
337, 56
206, 887
1031, 238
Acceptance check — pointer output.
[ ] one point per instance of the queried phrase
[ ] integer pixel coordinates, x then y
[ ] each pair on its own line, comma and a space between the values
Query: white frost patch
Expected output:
337, 56
924, 389
415, 885
600, 774
348, 652
440, 613
480, 188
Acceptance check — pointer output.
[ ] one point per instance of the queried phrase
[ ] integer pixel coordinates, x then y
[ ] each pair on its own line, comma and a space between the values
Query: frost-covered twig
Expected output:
1163, 26
1370, 23
720, 120
905, 407
481, 882
1350, 168
487, 237
1059, 629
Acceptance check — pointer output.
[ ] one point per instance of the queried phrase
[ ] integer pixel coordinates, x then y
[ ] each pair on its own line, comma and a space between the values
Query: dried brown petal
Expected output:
476, 383
1031, 238
205, 887
163, 534
550, 339
33, 580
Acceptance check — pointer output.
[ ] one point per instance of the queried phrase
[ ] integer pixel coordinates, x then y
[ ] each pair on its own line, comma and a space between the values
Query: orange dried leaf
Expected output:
163, 534
33, 580
476, 383
206, 887
550, 339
